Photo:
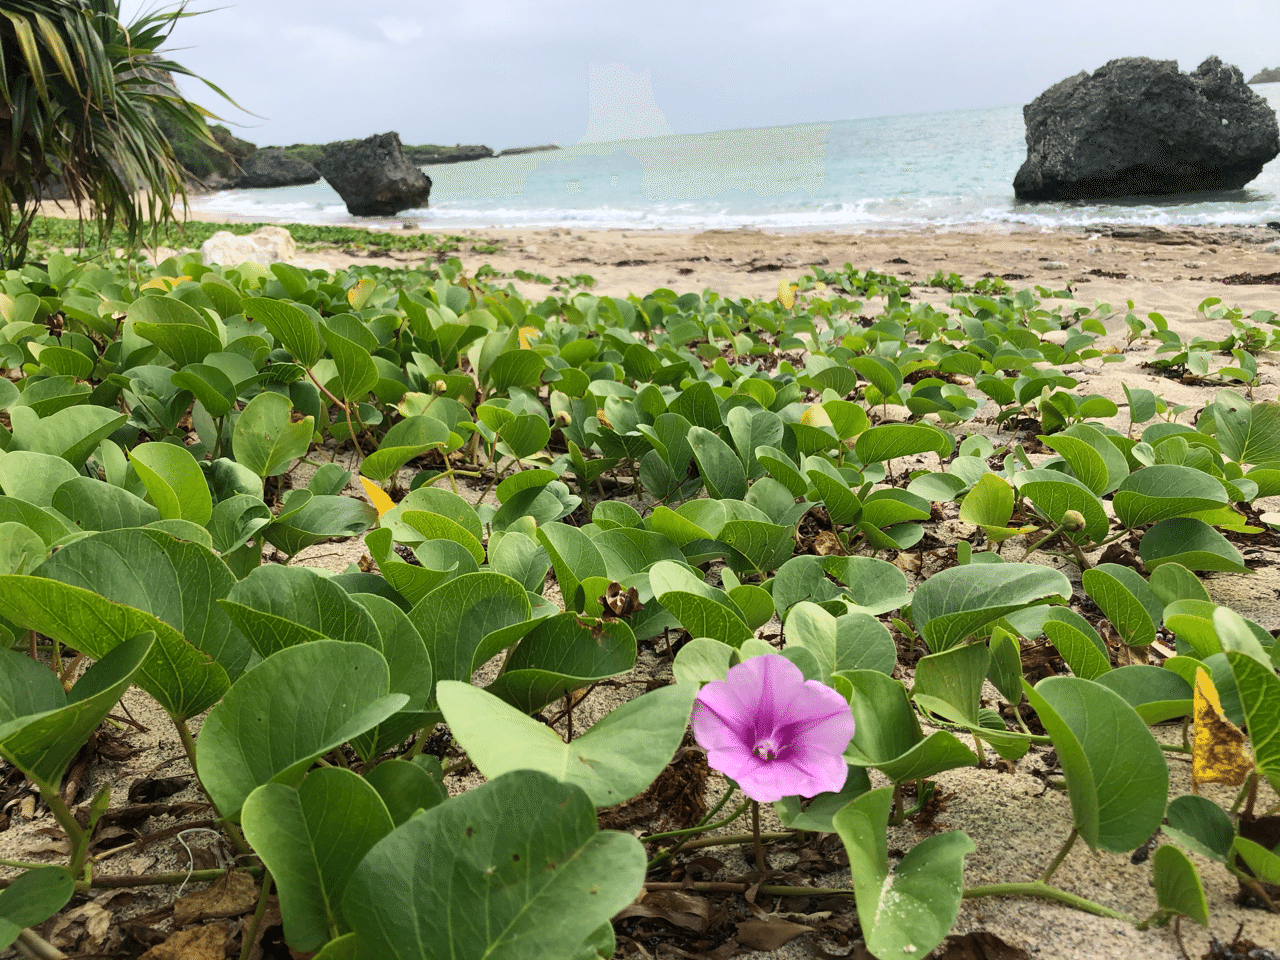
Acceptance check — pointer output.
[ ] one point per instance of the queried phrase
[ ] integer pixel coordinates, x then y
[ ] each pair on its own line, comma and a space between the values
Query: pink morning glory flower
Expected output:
772, 731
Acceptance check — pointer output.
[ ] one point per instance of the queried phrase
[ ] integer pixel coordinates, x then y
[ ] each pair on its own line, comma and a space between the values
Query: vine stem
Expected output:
189, 747
251, 934
769, 890
1062, 855
146, 879
1038, 888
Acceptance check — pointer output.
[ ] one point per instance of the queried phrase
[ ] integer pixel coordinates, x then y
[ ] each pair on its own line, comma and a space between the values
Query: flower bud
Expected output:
563, 418
1073, 521
441, 387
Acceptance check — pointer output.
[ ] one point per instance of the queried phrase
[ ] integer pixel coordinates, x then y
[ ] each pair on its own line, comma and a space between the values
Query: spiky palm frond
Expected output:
84, 94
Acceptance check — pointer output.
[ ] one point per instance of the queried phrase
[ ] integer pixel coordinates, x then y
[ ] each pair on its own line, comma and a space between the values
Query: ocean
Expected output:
948, 169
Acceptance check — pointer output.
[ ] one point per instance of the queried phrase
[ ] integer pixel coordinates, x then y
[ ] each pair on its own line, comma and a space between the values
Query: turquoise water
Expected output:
945, 169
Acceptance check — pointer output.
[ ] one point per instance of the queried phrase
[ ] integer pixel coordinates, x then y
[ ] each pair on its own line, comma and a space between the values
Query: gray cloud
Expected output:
507, 73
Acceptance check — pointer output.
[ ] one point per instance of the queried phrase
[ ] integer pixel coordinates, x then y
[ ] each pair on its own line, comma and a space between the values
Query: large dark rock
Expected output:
270, 167
1138, 126
373, 177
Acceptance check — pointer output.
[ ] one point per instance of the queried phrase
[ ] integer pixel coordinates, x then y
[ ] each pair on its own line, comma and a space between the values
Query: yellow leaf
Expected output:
1218, 754
526, 334
381, 502
787, 293
359, 295
815, 415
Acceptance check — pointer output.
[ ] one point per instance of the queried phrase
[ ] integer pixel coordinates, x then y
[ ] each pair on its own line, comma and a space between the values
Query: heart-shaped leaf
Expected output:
312, 839
960, 601
542, 880
562, 654
614, 761
909, 909
264, 439
183, 680
174, 482
295, 706
41, 727
1193, 544
1117, 777
32, 898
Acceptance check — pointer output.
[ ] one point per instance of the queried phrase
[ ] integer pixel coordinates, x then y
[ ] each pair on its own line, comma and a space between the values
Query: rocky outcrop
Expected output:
270, 167
1138, 126
373, 177
266, 246
1266, 75
513, 151
429, 154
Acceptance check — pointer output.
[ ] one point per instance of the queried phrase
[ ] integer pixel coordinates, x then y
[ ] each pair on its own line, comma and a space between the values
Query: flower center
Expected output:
766, 748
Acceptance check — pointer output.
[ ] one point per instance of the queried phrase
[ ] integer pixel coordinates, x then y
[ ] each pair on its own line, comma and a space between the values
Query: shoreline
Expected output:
1167, 269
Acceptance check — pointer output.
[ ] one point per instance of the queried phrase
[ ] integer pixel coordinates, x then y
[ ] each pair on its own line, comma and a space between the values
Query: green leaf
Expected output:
467, 620
265, 441
887, 733
889, 441
32, 898
1199, 824
854, 641
93, 505
541, 879
1157, 694
277, 607
818, 813
953, 677
291, 327
182, 679
21, 548
1178, 887
410, 438
295, 706
33, 477
319, 519
1247, 433
312, 839
572, 554
1193, 544
515, 368
1165, 490
177, 581
174, 482
1078, 650
175, 327
614, 761
1127, 601
561, 655
357, 375
408, 786
1053, 494
73, 433
720, 467
960, 601
1117, 777
1264, 863
911, 908
42, 743
765, 546
700, 609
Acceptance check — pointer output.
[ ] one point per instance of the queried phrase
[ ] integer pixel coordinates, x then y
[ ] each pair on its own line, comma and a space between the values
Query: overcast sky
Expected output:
515, 72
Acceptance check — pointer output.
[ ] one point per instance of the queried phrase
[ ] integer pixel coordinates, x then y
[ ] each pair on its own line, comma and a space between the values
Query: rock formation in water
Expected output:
270, 167
1266, 75
1139, 126
373, 177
